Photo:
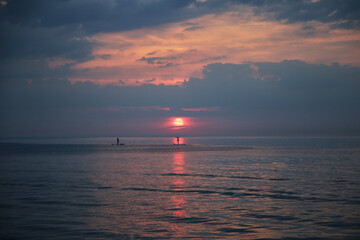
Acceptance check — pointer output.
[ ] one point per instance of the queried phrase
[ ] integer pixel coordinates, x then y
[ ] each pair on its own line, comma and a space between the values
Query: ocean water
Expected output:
210, 188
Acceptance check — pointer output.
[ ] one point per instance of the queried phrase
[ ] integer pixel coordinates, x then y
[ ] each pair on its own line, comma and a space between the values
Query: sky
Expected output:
93, 68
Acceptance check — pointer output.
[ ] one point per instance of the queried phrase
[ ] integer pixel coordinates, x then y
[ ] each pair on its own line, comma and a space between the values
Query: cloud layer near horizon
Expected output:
232, 99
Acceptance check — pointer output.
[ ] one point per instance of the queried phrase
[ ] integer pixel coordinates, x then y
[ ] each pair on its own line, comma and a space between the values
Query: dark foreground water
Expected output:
218, 188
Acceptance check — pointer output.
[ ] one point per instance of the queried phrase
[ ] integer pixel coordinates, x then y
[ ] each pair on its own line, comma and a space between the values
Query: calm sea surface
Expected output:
210, 188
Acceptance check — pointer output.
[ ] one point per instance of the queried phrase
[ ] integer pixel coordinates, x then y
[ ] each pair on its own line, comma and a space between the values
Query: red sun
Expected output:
178, 122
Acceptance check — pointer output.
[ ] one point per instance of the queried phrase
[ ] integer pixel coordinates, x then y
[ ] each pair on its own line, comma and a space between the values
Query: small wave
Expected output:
100, 188
275, 217
169, 190
235, 230
245, 177
191, 175
338, 224
224, 176
279, 179
175, 219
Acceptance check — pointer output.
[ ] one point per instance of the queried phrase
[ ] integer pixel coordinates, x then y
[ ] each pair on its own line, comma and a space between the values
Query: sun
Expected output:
178, 122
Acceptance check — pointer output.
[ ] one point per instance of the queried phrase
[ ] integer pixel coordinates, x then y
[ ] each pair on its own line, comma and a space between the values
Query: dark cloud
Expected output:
193, 28
342, 14
117, 15
157, 60
150, 80
96, 15
27, 42
290, 97
289, 86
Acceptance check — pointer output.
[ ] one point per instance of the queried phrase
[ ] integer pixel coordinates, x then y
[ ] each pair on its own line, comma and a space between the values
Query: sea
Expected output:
204, 188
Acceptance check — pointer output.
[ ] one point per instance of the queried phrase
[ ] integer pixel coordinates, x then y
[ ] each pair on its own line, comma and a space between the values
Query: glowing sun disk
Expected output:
178, 122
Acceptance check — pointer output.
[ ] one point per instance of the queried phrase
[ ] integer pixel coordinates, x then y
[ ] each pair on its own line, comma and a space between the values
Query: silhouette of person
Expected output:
178, 140
117, 141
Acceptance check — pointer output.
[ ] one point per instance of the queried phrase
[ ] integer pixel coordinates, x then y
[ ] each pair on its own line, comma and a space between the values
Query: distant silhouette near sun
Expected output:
118, 142
179, 141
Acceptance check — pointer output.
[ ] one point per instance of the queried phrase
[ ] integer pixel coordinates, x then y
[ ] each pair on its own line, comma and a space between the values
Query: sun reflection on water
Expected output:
178, 201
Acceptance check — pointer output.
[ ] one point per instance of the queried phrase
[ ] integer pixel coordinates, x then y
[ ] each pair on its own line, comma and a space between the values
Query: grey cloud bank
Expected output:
286, 98
117, 15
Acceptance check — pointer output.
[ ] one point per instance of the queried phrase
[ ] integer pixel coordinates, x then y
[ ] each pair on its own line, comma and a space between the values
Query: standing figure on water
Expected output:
178, 140
117, 141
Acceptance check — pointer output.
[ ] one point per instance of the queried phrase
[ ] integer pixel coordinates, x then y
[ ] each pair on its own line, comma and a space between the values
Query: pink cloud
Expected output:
131, 108
169, 53
209, 109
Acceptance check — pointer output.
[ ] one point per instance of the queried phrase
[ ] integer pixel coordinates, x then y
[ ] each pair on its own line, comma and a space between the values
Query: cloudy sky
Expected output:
79, 68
